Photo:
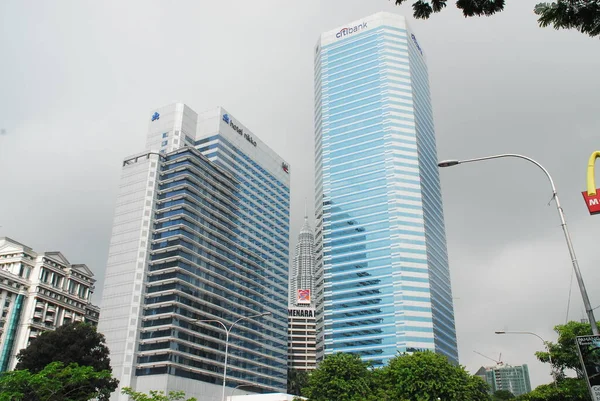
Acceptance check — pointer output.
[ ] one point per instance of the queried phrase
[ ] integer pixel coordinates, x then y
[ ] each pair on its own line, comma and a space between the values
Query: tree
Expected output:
501, 395
427, 376
564, 357
78, 343
155, 395
570, 389
296, 381
340, 377
564, 352
56, 382
583, 15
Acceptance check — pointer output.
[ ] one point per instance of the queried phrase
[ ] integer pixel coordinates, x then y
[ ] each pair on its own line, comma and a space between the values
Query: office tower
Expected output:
505, 377
200, 233
301, 314
303, 267
302, 353
382, 275
39, 292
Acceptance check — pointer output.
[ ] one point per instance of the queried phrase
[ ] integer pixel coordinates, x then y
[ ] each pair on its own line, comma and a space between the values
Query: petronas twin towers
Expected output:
303, 268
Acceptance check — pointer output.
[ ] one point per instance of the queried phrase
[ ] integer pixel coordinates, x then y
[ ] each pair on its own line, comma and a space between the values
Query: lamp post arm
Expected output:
563, 223
529, 159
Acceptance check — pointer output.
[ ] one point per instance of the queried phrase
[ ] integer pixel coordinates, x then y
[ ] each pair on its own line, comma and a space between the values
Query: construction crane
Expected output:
498, 362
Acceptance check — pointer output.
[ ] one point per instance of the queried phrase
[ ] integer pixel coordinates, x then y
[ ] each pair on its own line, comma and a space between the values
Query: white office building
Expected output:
39, 292
200, 235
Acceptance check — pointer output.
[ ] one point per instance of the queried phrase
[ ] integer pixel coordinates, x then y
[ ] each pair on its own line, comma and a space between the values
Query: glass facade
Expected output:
382, 281
201, 232
208, 261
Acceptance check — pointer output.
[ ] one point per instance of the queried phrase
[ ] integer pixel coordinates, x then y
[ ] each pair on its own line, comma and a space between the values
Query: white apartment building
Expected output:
39, 292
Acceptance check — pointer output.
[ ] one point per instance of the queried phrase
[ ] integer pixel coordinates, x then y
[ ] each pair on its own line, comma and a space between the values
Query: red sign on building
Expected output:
592, 201
592, 195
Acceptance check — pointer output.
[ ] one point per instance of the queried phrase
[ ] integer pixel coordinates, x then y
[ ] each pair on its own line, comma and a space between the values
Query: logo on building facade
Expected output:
592, 195
228, 120
155, 116
303, 296
285, 167
350, 30
416, 43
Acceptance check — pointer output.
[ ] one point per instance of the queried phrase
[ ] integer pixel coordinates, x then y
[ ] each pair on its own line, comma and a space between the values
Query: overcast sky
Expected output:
78, 79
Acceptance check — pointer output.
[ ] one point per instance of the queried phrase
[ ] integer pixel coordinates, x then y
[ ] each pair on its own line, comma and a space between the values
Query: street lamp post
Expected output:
545, 345
227, 331
239, 386
584, 295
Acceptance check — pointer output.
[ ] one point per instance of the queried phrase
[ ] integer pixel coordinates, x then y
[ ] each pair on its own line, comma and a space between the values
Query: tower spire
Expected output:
305, 212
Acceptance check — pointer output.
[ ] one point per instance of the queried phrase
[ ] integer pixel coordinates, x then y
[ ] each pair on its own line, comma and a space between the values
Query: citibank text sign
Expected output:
592, 195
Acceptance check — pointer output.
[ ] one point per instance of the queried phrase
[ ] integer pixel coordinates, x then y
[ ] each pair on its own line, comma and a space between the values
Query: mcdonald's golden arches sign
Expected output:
592, 195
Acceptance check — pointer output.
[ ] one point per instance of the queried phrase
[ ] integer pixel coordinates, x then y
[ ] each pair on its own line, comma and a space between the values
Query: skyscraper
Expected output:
382, 281
301, 315
200, 233
303, 267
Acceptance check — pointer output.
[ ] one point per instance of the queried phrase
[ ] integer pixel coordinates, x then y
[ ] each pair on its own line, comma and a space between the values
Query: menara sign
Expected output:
301, 312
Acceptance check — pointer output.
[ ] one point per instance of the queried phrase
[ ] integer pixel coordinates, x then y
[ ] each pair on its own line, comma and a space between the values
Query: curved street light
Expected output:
545, 345
563, 223
227, 331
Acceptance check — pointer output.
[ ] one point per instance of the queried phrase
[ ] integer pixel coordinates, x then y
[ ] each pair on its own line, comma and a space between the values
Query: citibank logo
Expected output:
155, 116
416, 43
350, 30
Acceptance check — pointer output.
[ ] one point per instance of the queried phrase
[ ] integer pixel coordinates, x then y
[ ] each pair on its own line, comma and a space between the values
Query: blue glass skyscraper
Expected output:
382, 275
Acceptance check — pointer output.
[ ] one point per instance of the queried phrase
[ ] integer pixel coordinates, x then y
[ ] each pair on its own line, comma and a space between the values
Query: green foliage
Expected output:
564, 352
502, 395
77, 343
340, 377
296, 381
568, 389
583, 15
423, 8
571, 14
427, 376
155, 395
422, 376
56, 382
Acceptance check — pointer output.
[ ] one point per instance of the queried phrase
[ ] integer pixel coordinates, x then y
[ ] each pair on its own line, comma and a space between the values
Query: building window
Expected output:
166, 134
164, 143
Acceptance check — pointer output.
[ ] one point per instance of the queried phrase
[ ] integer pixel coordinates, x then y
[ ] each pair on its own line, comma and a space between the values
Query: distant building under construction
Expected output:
505, 377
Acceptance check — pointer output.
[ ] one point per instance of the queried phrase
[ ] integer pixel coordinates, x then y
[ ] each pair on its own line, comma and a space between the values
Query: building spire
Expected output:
305, 212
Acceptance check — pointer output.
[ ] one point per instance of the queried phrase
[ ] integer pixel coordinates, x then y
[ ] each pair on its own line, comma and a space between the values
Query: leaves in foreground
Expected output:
155, 395
582, 15
56, 382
